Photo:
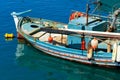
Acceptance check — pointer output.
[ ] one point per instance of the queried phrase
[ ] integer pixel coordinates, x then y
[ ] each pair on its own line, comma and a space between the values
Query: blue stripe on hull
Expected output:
81, 59
69, 54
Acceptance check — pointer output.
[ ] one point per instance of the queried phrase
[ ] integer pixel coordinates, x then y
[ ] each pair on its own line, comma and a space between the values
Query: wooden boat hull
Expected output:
80, 59
47, 48
31, 31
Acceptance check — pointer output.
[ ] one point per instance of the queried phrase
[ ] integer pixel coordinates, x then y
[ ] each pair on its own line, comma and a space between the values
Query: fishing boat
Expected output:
86, 39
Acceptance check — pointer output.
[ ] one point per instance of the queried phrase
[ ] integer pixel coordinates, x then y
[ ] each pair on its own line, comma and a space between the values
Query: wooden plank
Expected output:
97, 33
81, 32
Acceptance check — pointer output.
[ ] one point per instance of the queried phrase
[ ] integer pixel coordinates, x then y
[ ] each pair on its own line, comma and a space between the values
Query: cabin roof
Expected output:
82, 20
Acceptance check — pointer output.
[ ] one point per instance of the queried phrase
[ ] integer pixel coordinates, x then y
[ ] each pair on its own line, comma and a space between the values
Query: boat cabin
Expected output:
93, 24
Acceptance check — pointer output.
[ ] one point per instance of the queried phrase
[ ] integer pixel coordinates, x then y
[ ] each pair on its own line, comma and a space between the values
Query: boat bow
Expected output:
16, 18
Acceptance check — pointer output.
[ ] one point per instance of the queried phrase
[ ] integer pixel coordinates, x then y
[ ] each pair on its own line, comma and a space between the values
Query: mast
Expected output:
87, 10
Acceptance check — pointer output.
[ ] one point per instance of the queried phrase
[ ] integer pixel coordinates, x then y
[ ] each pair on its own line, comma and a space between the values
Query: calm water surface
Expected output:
20, 61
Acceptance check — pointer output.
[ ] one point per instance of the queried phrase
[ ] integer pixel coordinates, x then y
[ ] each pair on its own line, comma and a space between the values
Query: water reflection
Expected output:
19, 50
58, 69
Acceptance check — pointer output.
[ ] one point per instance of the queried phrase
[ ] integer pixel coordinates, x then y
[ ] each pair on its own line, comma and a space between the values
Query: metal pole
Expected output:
87, 10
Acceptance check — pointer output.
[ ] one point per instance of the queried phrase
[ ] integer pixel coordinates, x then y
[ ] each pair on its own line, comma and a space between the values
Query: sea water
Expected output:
20, 61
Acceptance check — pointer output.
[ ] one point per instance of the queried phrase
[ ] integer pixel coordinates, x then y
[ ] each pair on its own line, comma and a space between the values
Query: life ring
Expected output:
76, 15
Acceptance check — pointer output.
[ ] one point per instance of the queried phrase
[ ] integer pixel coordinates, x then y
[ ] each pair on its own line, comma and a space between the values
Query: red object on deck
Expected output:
75, 15
19, 36
50, 39
83, 45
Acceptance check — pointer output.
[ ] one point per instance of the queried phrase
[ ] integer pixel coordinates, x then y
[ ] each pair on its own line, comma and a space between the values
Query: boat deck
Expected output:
58, 39
32, 28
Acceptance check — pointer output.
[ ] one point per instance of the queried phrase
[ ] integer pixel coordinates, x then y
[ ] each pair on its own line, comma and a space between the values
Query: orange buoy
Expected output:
76, 15
94, 43
50, 39
83, 45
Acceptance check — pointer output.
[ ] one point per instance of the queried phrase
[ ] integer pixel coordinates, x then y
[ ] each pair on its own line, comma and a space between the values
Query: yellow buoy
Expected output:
7, 35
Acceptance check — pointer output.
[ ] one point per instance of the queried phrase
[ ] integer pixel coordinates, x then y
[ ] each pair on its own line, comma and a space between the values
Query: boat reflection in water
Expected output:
57, 69
19, 50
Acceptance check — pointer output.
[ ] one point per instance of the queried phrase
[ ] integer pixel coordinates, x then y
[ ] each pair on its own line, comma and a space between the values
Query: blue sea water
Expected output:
20, 61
